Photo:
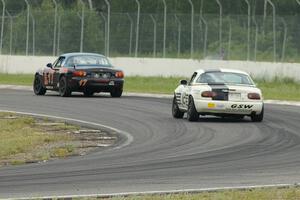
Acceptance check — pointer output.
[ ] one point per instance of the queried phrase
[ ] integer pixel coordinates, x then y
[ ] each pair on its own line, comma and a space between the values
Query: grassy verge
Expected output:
151, 84
280, 89
22, 136
292, 193
26, 140
16, 79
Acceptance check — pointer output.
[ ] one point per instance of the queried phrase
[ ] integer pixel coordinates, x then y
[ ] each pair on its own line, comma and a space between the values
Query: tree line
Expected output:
178, 39
234, 7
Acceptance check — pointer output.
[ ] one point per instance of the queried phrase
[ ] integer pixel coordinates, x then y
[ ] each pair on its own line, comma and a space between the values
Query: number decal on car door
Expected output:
48, 77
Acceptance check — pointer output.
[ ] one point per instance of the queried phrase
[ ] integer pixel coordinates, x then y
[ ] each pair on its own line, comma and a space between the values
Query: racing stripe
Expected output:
221, 91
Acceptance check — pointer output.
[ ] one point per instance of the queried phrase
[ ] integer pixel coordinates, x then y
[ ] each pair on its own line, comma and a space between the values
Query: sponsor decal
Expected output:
82, 82
220, 106
241, 106
239, 111
48, 77
211, 105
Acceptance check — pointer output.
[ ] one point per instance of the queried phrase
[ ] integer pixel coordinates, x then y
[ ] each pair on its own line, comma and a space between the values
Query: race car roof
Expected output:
201, 71
79, 54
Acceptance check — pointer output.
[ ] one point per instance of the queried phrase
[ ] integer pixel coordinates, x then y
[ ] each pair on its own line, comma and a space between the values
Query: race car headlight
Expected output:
79, 73
254, 96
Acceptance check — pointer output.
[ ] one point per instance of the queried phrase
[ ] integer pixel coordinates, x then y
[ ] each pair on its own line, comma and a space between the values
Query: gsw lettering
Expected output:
241, 106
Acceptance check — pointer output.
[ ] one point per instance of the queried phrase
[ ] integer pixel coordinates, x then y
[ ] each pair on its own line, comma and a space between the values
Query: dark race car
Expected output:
79, 72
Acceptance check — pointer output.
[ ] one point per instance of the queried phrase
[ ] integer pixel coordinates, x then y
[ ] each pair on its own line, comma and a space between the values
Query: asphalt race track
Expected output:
165, 154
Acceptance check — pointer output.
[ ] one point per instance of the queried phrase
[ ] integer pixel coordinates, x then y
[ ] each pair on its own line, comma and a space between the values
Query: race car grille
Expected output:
101, 75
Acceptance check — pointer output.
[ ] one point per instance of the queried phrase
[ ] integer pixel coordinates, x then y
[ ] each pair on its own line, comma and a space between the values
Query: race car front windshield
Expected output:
88, 60
225, 78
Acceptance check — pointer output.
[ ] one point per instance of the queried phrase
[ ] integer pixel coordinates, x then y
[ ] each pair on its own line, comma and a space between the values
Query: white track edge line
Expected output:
162, 192
129, 137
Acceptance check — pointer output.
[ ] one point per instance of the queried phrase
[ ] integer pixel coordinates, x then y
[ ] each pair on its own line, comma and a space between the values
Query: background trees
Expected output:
71, 15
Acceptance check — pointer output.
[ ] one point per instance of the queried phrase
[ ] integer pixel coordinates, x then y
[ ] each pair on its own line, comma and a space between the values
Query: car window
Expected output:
58, 62
225, 78
87, 60
193, 77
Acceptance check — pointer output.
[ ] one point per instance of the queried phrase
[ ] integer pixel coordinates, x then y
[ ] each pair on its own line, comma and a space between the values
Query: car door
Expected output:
48, 76
187, 90
56, 70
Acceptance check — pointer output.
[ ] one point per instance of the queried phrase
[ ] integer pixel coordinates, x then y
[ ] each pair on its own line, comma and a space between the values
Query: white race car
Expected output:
222, 92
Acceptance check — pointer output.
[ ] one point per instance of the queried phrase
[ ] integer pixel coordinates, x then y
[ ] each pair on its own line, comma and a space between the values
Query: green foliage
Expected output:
71, 15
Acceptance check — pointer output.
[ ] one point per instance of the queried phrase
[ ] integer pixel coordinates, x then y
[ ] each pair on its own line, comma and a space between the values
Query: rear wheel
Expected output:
116, 92
64, 89
192, 114
38, 87
258, 118
175, 109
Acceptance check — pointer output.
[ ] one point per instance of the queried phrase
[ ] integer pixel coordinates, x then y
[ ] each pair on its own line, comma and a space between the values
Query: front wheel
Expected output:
64, 89
38, 87
116, 92
192, 114
258, 118
175, 109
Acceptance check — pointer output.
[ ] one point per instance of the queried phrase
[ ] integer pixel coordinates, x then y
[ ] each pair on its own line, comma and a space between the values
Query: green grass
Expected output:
16, 79
151, 84
280, 89
21, 137
292, 193
277, 89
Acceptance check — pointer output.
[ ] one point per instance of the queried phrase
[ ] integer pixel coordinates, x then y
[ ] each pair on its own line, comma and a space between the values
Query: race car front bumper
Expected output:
228, 107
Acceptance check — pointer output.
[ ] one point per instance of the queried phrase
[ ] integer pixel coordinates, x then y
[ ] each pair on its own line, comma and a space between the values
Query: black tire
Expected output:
175, 110
116, 92
38, 87
192, 114
258, 118
64, 89
88, 93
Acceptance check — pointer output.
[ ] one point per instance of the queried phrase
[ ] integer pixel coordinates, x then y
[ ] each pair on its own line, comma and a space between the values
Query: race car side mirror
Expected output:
183, 82
49, 65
